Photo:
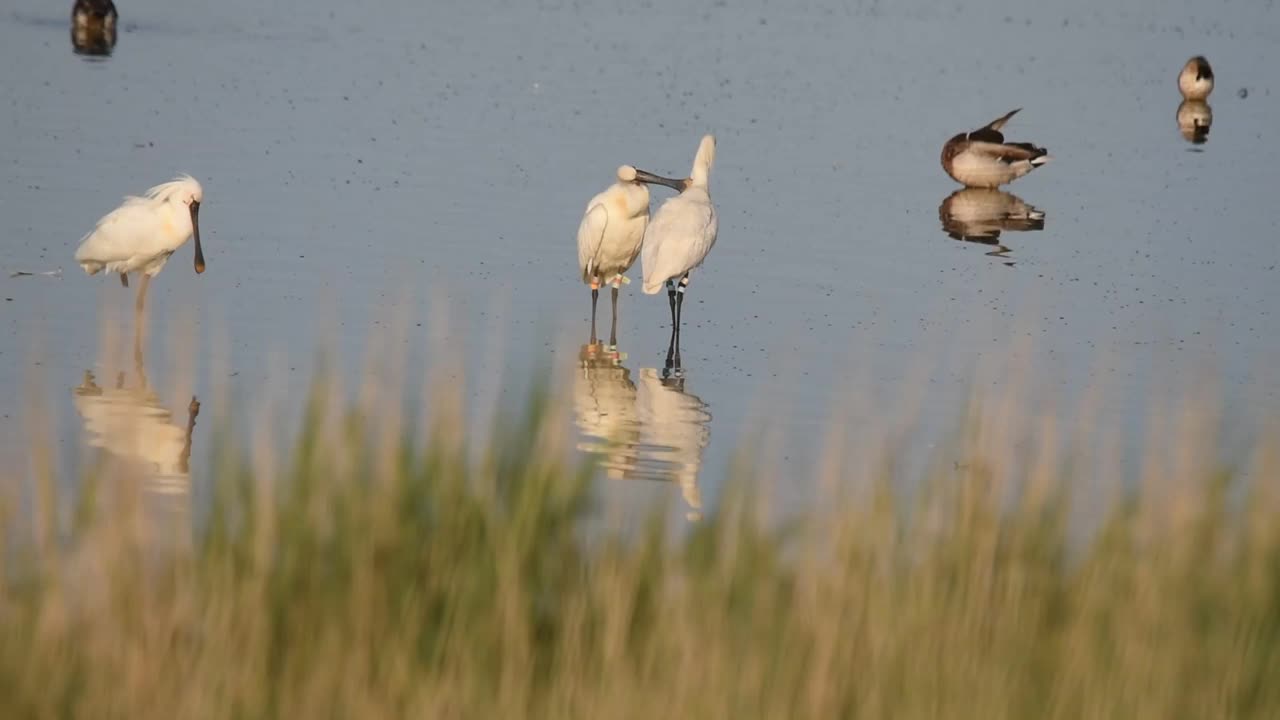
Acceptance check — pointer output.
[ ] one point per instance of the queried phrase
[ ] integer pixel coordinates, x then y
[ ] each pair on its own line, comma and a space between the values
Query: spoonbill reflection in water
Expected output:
610, 234
604, 400
141, 234
130, 422
676, 426
646, 430
682, 233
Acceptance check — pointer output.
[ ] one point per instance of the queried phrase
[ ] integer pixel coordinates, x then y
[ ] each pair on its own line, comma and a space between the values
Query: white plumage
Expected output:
141, 234
610, 234
612, 229
683, 230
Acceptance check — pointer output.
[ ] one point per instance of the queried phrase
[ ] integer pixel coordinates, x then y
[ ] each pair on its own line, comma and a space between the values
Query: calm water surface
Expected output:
350, 154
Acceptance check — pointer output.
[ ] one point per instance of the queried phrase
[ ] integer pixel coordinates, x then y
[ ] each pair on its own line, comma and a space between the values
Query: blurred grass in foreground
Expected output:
380, 572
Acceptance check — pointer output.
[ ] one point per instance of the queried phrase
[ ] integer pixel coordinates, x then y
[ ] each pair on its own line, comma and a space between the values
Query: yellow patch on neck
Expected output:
618, 205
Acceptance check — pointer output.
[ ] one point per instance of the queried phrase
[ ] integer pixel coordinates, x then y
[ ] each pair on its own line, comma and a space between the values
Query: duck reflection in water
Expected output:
93, 27
979, 215
129, 422
1194, 119
650, 430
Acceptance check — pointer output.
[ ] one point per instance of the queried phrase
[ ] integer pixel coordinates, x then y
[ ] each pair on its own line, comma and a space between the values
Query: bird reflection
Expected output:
979, 215
652, 429
604, 400
1194, 119
128, 421
676, 427
93, 27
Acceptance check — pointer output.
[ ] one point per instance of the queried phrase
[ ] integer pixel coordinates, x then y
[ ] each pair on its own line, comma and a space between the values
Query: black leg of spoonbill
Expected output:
595, 295
671, 300
671, 349
124, 279
679, 303
684, 283
613, 329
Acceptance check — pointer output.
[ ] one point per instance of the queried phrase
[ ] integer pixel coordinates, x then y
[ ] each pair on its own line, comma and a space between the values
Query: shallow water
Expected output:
349, 154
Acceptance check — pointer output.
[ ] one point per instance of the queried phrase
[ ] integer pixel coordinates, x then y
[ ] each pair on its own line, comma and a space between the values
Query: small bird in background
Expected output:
141, 234
682, 233
93, 27
610, 234
983, 159
1195, 82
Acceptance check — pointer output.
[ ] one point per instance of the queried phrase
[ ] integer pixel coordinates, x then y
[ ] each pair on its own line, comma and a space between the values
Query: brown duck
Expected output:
1195, 82
983, 159
93, 27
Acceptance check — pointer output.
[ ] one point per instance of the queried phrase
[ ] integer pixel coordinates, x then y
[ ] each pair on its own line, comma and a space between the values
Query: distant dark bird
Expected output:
983, 159
1196, 79
93, 27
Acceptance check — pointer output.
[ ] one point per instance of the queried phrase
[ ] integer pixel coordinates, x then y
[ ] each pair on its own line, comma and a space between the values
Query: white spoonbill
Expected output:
683, 231
141, 234
610, 235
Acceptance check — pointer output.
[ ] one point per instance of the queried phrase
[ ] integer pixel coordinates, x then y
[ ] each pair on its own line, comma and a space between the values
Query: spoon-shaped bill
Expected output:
195, 234
678, 185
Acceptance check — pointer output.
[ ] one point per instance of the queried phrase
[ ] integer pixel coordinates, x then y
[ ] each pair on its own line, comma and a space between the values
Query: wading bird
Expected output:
610, 235
683, 231
93, 27
983, 159
1195, 82
141, 234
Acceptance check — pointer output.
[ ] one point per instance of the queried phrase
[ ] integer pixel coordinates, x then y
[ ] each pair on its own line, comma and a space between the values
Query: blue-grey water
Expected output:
353, 152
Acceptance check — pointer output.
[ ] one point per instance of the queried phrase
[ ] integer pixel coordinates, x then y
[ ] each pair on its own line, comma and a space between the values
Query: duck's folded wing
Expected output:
1007, 152
987, 135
